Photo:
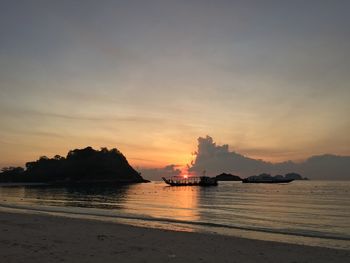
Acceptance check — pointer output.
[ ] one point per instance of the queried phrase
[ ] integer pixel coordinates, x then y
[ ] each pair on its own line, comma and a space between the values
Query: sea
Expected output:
314, 213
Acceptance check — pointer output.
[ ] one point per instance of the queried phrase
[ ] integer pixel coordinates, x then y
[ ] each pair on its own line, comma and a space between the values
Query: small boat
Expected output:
266, 180
191, 181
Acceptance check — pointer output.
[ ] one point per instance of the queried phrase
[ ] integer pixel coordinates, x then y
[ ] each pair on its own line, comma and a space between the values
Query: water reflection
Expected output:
301, 209
93, 196
162, 201
150, 200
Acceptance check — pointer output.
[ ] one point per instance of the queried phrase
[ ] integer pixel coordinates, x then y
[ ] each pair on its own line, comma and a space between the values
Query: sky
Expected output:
269, 78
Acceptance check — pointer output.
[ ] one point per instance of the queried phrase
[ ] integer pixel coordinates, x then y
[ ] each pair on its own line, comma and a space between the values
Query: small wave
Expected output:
114, 215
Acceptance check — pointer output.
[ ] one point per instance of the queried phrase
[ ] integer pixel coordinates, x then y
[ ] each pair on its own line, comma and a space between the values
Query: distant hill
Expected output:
79, 166
215, 158
228, 177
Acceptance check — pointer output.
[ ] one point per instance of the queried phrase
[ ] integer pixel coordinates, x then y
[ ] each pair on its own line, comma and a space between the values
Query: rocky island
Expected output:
228, 177
79, 166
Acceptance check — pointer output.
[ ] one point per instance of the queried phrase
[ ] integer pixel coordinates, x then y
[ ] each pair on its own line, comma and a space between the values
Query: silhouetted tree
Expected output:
80, 165
11, 174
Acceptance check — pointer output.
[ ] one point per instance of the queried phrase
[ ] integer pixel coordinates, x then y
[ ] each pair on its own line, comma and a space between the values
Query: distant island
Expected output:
228, 177
79, 166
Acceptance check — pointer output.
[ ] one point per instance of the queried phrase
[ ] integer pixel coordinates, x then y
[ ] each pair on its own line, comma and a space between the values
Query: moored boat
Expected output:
267, 179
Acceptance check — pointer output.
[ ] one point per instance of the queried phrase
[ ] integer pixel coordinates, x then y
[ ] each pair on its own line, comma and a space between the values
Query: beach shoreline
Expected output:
34, 237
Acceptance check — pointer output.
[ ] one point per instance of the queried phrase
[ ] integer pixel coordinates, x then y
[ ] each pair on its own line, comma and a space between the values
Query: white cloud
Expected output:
216, 159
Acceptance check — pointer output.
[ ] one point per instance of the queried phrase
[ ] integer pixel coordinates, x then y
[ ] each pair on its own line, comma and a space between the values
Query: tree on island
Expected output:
79, 166
12, 174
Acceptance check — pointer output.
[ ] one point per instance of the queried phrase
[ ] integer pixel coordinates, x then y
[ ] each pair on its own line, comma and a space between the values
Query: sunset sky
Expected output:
269, 78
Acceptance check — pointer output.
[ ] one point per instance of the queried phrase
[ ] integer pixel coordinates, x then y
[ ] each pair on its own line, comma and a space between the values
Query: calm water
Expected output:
303, 212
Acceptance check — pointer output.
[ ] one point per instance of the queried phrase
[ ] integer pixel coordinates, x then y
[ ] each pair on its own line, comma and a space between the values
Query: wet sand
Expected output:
47, 238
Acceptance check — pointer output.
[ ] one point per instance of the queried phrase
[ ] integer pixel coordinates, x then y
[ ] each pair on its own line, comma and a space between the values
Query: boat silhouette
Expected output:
267, 179
191, 181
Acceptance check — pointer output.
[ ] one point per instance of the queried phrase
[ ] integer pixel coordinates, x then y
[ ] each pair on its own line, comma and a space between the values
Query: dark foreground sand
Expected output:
45, 238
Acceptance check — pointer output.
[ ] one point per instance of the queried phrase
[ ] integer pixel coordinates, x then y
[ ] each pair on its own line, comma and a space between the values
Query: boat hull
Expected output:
247, 181
194, 181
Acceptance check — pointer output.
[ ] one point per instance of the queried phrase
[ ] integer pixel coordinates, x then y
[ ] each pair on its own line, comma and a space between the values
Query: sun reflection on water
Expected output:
182, 201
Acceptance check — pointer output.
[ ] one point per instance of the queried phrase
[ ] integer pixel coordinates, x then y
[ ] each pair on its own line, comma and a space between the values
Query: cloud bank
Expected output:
215, 159
155, 174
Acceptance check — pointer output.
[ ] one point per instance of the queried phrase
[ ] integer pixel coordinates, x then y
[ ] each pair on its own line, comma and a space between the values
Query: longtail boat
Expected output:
191, 181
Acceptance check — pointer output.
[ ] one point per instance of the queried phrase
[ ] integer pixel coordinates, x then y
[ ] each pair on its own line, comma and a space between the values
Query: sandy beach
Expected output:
48, 238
